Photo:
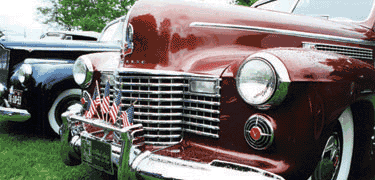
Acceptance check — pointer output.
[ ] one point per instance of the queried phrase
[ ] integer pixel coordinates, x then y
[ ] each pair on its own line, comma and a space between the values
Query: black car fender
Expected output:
49, 78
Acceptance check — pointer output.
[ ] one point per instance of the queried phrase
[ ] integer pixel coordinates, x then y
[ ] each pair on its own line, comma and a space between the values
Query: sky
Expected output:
18, 18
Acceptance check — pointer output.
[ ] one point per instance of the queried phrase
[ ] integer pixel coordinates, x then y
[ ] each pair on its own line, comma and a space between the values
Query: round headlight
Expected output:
24, 72
82, 72
256, 81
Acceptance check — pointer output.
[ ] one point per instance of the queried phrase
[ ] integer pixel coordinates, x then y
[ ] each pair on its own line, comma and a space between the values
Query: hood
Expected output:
205, 38
43, 45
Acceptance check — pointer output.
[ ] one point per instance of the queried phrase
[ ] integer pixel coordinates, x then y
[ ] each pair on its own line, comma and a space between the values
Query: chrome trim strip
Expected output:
202, 118
202, 110
128, 71
202, 94
154, 77
160, 143
154, 99
202, 125
216, 163
155, 107
283, 32
151, 92
201, 102
162, 136
159, 122
64, 49
163, 129
153, 84
56, 61
202, 133
157, 114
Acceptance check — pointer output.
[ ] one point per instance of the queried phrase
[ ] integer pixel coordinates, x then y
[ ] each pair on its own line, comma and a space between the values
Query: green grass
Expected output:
30, 158
27, 156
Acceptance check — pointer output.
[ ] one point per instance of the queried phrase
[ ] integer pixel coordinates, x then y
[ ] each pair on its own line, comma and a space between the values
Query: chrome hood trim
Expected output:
283, 32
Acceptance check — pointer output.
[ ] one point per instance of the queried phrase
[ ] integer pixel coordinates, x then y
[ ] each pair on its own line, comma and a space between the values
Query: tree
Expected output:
245, 2
1, 33
86, 15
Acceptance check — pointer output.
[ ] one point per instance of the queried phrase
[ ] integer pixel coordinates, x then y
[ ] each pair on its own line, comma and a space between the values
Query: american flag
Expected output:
96, 97
88, 112
115, 107
128, 116
104, 106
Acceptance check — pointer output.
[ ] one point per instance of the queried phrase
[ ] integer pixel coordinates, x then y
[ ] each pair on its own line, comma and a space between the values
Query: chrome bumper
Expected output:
132, 163
13, 114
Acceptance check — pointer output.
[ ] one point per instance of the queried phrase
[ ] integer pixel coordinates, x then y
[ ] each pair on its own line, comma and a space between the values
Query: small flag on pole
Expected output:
115, 107
96, 96
127, 116
88, 112
104, 106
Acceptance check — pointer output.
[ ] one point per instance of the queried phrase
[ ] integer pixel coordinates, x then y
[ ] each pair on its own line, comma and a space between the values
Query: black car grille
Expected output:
4, 59
166, 107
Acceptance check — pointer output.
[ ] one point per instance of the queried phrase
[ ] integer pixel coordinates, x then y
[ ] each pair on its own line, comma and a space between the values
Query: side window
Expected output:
68, 38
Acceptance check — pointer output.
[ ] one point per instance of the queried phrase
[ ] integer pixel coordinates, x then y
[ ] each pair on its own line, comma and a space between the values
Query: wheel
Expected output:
60, 105
337, 154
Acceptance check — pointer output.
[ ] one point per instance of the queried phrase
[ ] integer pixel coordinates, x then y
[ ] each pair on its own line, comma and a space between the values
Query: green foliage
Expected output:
245, 2
86, 15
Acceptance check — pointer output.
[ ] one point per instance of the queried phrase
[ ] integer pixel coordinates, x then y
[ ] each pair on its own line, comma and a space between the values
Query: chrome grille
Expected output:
353, 52
4, 58
4, 64
165, 105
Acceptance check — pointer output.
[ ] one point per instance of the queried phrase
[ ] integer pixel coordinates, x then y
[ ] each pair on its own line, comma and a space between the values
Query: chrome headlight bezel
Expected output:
83, 72
277, 85
24, 73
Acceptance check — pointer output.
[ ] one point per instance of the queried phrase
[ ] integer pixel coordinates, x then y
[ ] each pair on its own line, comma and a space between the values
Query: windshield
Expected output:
112, 33
348, 10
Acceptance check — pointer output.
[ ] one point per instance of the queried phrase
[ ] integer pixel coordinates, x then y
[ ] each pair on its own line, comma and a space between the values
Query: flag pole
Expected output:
97, 87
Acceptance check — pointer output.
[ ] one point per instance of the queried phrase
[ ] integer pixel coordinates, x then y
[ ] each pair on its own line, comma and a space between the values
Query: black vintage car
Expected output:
36, 77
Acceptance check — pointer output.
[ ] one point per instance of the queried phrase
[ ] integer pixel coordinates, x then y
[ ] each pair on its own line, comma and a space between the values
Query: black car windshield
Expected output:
340, 10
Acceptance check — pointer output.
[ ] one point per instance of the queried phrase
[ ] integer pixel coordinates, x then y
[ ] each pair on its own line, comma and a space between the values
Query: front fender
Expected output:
49, 77
322, 86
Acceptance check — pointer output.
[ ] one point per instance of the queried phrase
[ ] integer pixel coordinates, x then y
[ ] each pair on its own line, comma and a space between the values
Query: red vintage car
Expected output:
281, 90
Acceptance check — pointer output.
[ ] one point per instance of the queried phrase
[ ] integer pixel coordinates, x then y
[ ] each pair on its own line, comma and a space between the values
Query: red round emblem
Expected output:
255, 133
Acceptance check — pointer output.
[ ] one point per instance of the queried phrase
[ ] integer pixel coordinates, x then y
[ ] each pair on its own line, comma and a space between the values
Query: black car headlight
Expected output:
262, 80
83, 72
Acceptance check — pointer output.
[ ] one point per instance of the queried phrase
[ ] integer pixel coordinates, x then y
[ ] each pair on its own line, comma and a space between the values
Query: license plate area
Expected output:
15, 97
97, 154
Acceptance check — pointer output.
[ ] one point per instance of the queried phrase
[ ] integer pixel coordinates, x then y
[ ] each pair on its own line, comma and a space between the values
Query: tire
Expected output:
60, 105
336, 158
